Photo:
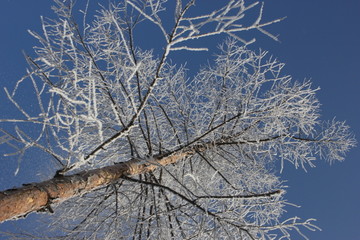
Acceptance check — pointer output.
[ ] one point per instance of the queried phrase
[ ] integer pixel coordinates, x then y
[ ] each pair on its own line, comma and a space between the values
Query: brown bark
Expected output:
18, 202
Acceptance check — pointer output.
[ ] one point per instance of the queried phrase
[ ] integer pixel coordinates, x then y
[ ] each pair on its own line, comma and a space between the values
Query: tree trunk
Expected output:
18, 202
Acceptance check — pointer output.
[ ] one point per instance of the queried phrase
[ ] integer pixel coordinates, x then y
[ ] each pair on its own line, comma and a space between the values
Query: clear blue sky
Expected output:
320, 39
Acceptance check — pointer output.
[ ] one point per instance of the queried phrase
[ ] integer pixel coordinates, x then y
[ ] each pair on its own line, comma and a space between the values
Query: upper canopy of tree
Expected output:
101, 100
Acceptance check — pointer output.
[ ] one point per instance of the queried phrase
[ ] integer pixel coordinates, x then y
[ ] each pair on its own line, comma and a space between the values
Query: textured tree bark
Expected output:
15, 203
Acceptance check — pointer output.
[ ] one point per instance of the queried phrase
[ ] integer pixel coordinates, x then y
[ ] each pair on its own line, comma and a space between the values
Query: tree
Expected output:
145, 152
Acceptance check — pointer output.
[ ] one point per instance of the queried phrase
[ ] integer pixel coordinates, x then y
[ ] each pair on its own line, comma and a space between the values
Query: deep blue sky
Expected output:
320, 39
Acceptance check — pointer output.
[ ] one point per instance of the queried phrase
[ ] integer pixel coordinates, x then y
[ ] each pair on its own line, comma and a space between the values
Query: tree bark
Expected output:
18, 202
